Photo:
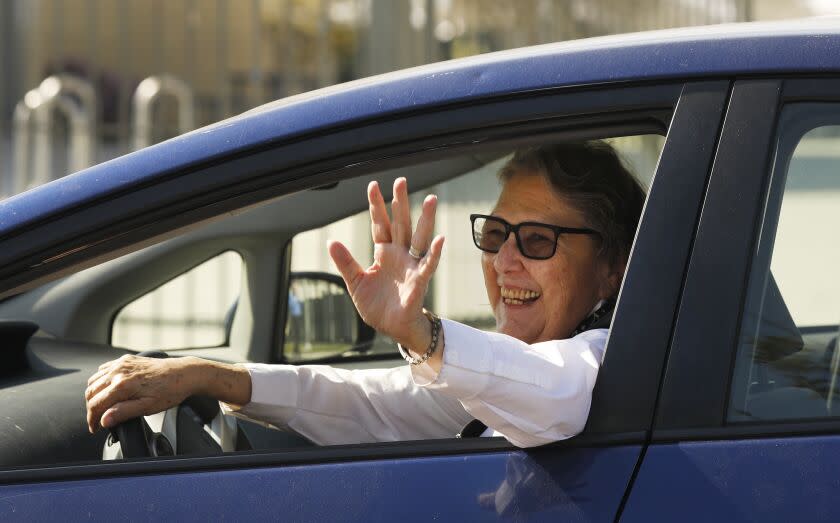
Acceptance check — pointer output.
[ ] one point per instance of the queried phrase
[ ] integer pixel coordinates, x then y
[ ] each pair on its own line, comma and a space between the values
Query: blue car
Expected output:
716, 399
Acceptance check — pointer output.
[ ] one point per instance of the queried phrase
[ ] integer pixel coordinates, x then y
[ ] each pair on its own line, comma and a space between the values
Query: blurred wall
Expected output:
237, 54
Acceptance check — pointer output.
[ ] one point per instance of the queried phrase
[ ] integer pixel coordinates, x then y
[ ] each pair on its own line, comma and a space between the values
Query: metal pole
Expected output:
256, 79
150, 90
161, 38
290, 74
85, 118
43, 151
80, 117
122, 126
22, 138
79, 142
222, 59
324, 57
190, 56
429, 33
93, 52
6, 177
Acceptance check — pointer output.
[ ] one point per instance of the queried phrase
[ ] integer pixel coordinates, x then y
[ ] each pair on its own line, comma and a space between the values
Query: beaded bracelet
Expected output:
436, 326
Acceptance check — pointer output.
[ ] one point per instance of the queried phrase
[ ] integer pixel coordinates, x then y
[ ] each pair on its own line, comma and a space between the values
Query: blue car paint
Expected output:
703, 52
583, 485
767, 480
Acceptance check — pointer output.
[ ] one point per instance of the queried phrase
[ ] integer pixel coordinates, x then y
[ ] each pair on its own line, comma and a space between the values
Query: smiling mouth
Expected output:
518, 296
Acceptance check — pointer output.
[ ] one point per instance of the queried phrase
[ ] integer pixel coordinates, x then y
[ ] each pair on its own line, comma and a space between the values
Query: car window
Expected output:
787, 364
183, 299
457, 290
191, 310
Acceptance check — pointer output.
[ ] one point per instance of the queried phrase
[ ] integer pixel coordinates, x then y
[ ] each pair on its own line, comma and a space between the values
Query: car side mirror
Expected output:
321, 320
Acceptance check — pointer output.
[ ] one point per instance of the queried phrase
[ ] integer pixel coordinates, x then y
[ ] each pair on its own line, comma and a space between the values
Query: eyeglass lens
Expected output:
535, 241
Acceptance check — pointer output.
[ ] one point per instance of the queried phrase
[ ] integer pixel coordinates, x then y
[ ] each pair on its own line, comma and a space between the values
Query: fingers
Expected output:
429, 264
380, 225
123, 411
93, 388
401, 214
349, 268
95, 376
102, 401
422, 238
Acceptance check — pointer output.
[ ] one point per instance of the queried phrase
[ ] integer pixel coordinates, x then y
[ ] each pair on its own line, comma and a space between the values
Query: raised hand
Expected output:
389, 294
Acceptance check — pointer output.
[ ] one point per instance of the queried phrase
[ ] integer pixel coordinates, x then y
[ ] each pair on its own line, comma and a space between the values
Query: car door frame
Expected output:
696, 391
730, 470
630, 379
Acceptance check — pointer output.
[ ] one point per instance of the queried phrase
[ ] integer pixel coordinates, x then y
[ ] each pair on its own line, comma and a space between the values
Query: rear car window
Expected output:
788, 363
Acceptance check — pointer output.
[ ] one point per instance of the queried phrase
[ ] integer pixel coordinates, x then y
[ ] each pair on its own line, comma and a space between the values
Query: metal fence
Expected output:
88, 80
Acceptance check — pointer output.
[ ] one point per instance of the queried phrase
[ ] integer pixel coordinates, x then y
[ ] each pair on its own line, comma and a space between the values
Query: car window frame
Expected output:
695, 108
695, 394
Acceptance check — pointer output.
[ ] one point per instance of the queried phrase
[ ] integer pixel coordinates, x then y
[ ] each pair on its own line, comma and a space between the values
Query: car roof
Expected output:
804, 46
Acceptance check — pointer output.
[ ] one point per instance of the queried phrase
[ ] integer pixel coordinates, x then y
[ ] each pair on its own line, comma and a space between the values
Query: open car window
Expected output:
257, 285
457, 291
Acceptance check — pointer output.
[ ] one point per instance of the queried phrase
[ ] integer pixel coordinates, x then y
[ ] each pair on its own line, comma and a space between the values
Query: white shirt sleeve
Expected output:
530, 394
332, 406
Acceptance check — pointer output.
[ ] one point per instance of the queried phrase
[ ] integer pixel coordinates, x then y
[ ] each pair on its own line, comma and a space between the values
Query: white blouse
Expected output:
529, 394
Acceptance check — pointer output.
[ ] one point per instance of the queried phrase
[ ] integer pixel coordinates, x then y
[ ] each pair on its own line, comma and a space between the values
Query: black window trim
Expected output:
642, 329
755, 115
695, 389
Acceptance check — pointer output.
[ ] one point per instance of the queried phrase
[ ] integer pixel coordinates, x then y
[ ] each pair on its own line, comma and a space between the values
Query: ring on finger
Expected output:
414, 253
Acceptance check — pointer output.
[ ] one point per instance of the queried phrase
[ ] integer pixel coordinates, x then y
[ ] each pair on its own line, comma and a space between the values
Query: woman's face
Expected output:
568, 285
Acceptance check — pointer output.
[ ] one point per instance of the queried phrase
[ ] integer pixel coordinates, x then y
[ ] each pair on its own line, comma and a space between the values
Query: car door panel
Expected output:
584, 479
772, 479
706, 461
543, 485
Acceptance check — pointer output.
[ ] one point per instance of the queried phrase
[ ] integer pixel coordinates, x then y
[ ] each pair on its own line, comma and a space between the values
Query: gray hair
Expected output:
592, 178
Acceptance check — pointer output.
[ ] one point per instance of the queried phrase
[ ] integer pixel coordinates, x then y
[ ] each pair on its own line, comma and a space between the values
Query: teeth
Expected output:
519, 294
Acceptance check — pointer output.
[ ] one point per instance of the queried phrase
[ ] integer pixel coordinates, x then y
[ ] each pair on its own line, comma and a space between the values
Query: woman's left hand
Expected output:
389, 294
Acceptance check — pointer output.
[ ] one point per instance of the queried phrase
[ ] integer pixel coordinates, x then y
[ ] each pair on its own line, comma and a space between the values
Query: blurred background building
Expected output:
204, 60
88, 80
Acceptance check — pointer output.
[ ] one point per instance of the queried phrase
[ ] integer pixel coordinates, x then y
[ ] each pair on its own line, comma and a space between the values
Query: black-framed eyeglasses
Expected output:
535, 240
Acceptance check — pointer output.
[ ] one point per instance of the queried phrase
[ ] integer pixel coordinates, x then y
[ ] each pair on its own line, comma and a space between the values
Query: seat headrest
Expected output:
777, 334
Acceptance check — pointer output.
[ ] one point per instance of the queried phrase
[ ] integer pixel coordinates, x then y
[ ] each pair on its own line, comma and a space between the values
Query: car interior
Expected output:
63, 330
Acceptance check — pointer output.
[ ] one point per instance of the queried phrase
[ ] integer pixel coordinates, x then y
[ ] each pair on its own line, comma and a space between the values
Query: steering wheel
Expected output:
185, 423
196, 426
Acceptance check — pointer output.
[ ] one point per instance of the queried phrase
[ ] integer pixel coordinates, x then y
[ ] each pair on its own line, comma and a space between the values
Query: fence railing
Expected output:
208, 60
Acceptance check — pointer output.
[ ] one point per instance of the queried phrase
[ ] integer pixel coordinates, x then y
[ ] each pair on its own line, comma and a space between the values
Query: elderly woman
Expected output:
554, 252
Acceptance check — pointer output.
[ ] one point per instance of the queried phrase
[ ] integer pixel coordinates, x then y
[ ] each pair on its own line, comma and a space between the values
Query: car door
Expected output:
746, 426
585, 478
